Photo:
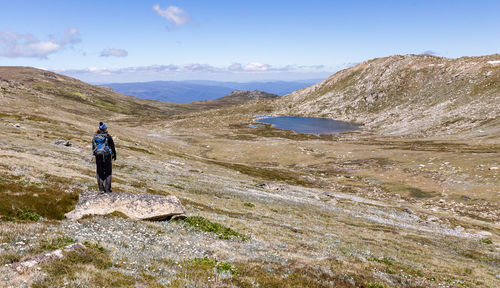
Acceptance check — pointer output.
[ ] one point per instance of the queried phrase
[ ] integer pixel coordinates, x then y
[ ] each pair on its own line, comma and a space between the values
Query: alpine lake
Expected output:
308, 125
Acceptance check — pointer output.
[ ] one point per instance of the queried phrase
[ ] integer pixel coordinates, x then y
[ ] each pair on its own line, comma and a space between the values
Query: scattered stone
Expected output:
175, 162
494, 168
272, 186
62, 142
484, 233
17, 125
465, 198
406, 210
135, 206
330, 197
432, 219
42, 258
441, 201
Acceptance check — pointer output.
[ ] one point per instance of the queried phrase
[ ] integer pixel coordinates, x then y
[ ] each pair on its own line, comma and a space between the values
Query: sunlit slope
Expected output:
411, 94
30, 87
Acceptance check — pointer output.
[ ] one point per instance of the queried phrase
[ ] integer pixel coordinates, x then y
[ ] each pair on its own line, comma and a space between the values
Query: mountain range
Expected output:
200, 90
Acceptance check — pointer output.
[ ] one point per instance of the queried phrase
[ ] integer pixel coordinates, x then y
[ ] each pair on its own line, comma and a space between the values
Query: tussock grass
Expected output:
9, 257
23, 215
56, 243
375, 285
203, 224
49, 200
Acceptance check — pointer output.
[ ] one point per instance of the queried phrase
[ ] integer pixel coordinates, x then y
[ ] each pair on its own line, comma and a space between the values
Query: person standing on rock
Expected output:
104, 150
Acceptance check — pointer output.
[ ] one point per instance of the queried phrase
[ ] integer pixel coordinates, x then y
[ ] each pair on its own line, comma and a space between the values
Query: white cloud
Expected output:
256, 66
114, 52
72, 36
235, 67
15, 45
261, 67
253, 67
174, 14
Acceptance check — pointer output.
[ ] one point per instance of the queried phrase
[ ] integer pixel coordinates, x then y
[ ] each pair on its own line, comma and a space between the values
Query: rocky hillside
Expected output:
411, 94
238, 97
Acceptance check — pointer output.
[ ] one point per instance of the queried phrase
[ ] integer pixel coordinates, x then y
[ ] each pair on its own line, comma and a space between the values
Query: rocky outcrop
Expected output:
46, 257
135, 206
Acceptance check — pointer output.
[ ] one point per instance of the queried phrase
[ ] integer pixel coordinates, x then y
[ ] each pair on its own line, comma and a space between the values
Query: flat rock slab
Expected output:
135, 206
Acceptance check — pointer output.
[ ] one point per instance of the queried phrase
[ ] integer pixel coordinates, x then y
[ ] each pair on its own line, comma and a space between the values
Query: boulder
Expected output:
62, 142
135, 206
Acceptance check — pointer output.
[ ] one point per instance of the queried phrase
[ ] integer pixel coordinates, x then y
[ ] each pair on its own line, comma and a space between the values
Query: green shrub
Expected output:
28, 215
202, 224
487, 241
226, 266
23, 215
95, 246
383, 260
204, 263
56, 243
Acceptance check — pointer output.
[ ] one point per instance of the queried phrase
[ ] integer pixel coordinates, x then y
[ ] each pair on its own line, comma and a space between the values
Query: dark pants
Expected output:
104, 171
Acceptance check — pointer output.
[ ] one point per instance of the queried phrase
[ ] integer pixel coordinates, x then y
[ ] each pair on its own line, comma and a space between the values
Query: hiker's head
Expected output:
103, 127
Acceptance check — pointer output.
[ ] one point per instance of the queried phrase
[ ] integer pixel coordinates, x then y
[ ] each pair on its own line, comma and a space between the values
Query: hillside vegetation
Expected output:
409, 95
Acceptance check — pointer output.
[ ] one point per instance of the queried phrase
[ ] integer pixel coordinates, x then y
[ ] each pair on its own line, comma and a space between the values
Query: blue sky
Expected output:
123, 41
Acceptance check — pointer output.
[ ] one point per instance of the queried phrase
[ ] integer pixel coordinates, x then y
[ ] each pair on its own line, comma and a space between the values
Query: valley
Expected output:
406, 201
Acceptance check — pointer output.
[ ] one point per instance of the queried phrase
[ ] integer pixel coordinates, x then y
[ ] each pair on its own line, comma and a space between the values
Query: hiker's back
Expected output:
100, 143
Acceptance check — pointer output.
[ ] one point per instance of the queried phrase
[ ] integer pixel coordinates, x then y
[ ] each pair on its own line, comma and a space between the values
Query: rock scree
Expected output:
135, 206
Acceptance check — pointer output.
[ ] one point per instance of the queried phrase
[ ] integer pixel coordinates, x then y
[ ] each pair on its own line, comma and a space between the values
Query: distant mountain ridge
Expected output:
200, 90
27, 86
237, 97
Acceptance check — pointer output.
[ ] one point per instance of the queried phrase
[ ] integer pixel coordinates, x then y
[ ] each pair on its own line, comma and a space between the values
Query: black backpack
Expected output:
101, 147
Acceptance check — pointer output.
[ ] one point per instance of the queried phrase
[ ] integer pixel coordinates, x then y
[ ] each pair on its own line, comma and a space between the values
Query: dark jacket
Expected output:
111, 144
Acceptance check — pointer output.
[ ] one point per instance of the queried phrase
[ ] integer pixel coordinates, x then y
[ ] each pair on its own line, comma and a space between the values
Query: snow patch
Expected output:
494, 62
